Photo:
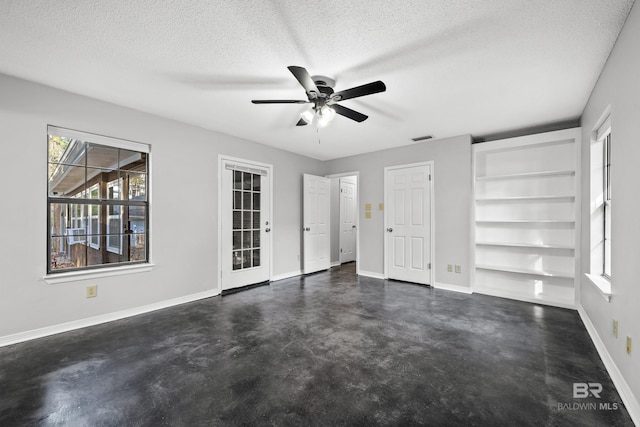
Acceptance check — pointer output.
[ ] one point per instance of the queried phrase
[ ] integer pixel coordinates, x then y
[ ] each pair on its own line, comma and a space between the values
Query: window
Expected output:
606, 205
98, 209
601, 202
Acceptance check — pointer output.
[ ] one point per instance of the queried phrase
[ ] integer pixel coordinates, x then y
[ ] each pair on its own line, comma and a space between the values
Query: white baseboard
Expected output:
286, 275
335, 263
103, 318
371, 274
455, 288
627, 396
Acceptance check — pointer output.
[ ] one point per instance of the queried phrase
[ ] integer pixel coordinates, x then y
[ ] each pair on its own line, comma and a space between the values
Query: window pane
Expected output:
65, 255
66, 150
57, 148
114, 189
132, 161
137, 247
246, 181
246, 219
246, 259
237, 200
246, 200
256, 201
237, 240
66, 181
237, 180
101, 157
237, 220
256, 257
237, 260
137, 185
256, 182
256, 219
246, 239
256, 238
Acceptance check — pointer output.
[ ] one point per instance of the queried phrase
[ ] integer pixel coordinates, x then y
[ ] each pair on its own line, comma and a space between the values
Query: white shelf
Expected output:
524, 198
526, 216
528, 271
526, 245
526, 175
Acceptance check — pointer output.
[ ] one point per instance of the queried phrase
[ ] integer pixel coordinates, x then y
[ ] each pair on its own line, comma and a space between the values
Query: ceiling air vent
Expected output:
421, 138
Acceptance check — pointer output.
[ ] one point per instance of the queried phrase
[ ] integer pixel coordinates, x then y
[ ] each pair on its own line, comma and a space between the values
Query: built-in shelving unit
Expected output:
526, 215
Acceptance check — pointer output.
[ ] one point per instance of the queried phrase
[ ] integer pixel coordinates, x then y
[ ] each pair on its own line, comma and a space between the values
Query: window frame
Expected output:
83, 203
604, 136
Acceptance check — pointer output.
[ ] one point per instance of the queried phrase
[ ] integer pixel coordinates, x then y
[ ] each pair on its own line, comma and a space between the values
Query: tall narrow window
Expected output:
606, 205
97, 201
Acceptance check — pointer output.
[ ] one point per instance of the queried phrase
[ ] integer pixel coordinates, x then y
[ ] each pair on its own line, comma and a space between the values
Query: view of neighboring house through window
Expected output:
97, 201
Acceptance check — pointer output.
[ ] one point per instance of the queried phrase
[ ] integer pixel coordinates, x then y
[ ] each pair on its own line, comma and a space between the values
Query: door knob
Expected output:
389, 229
306, 229
353, 226
267, 230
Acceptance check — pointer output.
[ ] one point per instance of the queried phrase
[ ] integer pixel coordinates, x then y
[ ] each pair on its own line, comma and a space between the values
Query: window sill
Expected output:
74, 276
602, 284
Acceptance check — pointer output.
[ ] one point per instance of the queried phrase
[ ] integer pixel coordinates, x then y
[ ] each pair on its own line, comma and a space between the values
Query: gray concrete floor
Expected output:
326, 349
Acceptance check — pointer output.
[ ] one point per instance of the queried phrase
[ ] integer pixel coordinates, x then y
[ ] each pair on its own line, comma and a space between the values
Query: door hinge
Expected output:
429, 266
340, 250
429, 177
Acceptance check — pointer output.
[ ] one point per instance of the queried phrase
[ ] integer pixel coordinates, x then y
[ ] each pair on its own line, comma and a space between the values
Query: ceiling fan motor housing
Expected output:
325, 84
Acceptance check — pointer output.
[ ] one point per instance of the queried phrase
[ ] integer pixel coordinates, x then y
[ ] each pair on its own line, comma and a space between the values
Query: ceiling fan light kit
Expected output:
320, 93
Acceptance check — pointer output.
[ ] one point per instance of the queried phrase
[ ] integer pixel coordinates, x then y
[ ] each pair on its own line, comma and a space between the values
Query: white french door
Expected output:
315, 223
347, 220
245, 223
408, 219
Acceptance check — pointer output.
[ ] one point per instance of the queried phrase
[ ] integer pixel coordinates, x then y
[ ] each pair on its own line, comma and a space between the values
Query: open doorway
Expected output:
344, 219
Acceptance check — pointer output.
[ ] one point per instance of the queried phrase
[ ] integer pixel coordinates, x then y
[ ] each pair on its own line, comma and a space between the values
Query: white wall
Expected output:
452, 174
184, 206
619, 88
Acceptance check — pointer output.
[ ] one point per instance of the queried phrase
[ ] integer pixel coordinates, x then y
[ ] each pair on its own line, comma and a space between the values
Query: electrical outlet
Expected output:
450, 268
458, 269
615, 328
628, 345
92, 291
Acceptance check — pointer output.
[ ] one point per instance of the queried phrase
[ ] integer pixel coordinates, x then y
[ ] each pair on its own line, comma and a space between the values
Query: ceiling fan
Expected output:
320, 93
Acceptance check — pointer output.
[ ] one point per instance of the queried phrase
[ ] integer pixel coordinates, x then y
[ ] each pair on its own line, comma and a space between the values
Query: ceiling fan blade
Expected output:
303, 77
357, 91
348, 112
278, 101
302, 122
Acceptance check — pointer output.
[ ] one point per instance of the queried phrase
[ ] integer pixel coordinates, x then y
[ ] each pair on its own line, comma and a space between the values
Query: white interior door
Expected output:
347, 220
315, 223
245, 227
408, 223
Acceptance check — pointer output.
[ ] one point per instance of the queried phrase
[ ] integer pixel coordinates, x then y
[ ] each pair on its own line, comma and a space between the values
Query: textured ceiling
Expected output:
451, 66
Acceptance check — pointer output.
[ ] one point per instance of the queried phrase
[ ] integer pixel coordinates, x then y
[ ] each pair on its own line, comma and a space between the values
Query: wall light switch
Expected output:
450, 268
628, 345
367, 207
380, 206
615, 328
367, 214
458, 269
